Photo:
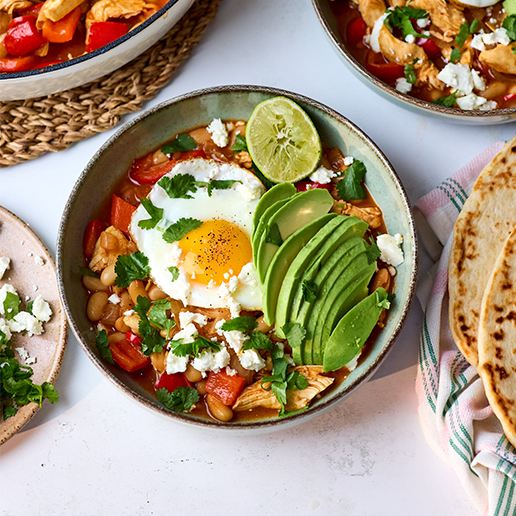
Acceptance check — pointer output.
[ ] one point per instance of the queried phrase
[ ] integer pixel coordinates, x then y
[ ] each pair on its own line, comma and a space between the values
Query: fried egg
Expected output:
214, 261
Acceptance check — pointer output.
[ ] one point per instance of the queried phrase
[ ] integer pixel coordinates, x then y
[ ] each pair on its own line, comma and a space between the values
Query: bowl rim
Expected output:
415, 102
91, 55
263, 424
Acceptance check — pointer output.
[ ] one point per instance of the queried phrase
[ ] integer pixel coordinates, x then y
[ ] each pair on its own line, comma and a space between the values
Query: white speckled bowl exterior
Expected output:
159, 124
91, 66
420, 107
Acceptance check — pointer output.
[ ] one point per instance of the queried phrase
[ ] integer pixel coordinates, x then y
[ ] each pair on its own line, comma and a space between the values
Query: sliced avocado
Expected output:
309, 260
345, 263
337, 303
352, 331
299, 210
510, 7
275, 194
282, 260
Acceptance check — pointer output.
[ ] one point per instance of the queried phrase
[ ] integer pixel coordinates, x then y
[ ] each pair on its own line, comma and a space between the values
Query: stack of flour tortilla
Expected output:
482, 284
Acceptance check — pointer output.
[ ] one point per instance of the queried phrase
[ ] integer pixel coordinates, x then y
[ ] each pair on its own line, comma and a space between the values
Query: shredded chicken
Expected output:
501, 58
243, 158
103, 10
445, 16
371, 10
54, 10
466, 57
118, 244
371, 215
13, 5
397, 3
397, 51
255, 396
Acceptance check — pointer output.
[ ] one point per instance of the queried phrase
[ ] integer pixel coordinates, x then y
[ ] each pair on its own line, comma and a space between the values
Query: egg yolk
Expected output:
216, 248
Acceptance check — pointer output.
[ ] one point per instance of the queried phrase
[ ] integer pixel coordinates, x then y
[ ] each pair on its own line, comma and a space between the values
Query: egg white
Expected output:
235, 205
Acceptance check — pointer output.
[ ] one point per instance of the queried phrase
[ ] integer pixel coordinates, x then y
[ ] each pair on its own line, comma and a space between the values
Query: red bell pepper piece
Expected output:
306, 184
22, 37
91, 235
121, 213
356, 31
388, 72
128, 355
17, 64
224, 387
144, 172
171, 382
103, 33
33, 10
509, 97
62, 30
429, 46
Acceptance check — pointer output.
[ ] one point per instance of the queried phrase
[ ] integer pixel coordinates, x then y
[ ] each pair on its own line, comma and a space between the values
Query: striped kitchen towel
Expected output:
456, 418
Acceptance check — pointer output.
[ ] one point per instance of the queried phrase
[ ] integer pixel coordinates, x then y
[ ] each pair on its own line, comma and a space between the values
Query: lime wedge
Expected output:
282, 140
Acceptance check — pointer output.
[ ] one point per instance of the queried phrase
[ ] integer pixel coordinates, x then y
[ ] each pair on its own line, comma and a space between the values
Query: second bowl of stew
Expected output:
218, 297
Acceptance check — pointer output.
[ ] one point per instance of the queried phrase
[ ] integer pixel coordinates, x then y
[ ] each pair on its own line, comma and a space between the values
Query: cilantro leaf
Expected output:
84, 271
294, 333
179, 229
9, 411
296, 380
178, 186
102, 343
373, 252
448, 101
152, 341
155, 213
30, 304
309, 291
465, 31
243, 324
240, 144
193, 349
273, 235
130, 267
158, 315
175, 272
349, 187
180, 400
401, 16
182, 142
220, 184
410, 74
258, 340
509, 24
455, 55
11, 305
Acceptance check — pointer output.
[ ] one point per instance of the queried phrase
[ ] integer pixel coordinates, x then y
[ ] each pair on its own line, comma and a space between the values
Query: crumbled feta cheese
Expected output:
322, 175
251, 360
375, 33
38, 260
410, 38
23, 321
187, 333
175, 255
129, 312
3, 293
348, 160
24, 355
114, 299
389, 247
176, 364
230, 372
4, 328
423, 22
458, 76
249, 193
473, 102
402, 85
478, 81
209, 360
497, 36
248, 275
353, 364
219, 133
225, 293
235, 339
42, 311
4, 265
185, 318
477, 42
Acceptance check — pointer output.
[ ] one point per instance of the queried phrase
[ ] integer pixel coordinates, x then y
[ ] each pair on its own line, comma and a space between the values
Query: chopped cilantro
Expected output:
296, 380
258, 340
193, 349
309, 291
455, 55
243, 324
158, 315
182, 142
240, 144
349, 187
102, 343
179, 400
181, 185
401, 16
155, 213
410, 74
373, 252
84, 271
11, 305
179, 229
273, 235
29, 307
465, 31
294, 333
130, 267
382, 303
175, 272
152, 341
509, 24
220, 184
448, 101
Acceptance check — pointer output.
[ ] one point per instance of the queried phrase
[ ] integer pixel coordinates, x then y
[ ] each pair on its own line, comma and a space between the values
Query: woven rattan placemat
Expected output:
30, 128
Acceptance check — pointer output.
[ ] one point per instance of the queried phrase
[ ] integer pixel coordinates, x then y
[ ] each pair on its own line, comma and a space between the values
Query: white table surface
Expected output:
97, 452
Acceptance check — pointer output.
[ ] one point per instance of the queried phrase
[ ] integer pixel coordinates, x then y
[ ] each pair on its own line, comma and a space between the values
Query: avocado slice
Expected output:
344, 264
309, 260
298, 211
275, 194
352, 331
337, 303
282, 260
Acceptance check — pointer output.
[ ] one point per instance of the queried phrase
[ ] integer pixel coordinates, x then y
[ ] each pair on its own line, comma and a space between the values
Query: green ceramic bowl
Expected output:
420, 107
152, 128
